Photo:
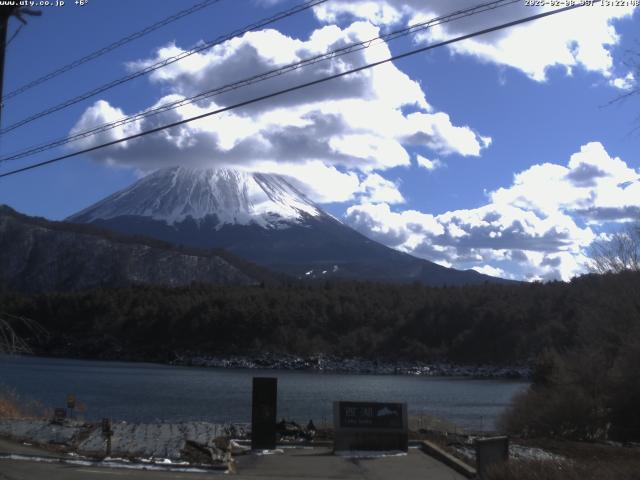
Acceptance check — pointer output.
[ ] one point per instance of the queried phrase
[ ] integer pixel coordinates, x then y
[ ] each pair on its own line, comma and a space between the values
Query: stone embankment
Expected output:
175, 442
329, 364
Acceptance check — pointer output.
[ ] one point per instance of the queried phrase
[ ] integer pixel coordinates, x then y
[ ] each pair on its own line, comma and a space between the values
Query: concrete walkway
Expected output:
320, 464
8, 446
299, 463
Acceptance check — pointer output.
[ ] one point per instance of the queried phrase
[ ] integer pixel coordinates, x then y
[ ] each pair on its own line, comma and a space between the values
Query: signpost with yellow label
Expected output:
71, 404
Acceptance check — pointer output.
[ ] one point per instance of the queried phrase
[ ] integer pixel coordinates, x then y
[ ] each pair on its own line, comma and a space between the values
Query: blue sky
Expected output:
499, 154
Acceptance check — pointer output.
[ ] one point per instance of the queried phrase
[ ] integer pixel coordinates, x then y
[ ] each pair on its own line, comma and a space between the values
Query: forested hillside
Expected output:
39, 255
484, 323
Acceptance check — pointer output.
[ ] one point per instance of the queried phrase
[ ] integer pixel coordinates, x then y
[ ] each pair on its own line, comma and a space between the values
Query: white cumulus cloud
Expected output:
627, 82
538, 228
346, 131
593, 185
580, 38
427, 164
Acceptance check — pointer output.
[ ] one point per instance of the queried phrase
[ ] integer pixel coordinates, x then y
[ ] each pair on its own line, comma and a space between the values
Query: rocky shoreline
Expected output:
331, 364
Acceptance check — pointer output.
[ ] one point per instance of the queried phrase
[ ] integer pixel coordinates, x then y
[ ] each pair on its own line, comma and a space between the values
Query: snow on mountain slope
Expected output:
234, 197
261, 218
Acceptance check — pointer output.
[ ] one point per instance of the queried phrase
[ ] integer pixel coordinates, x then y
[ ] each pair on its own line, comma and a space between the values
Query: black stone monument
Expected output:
370, 426
264, 413
490, 451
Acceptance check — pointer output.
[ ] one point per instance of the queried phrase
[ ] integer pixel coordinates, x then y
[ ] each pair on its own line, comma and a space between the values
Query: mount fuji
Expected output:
262, 218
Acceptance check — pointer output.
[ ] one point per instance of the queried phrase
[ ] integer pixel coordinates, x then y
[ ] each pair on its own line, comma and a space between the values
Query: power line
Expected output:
351, 48
151, 68
295, 88
357, 46
117, 44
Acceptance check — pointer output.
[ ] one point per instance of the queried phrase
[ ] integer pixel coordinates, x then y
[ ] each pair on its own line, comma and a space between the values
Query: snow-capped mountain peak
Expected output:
235, 197
261, 218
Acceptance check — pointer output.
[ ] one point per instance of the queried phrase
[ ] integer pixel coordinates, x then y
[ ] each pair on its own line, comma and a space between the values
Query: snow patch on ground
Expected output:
108, 463
366, 454
518, 452
261, 453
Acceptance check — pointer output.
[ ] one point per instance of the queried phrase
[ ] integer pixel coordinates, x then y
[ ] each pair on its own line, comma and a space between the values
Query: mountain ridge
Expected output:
42, 255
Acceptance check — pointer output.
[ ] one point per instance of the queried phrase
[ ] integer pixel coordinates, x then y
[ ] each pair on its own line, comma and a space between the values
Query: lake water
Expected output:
142, 392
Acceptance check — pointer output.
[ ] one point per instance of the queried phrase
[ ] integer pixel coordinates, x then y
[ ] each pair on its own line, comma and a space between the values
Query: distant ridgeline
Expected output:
479, 323
40, 255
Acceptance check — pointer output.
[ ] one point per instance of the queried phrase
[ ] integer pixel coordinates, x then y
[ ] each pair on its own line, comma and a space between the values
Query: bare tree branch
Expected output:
10, 341
621, 252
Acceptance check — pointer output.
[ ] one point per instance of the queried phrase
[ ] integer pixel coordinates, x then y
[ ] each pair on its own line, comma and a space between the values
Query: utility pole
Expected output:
5, 14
